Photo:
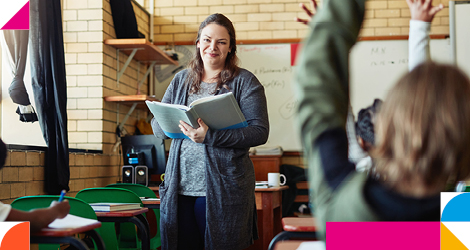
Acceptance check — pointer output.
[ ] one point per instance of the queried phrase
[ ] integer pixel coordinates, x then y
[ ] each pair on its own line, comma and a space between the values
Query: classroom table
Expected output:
269, 208
67, 236
289, 245
151, 204
134, 216
295, 227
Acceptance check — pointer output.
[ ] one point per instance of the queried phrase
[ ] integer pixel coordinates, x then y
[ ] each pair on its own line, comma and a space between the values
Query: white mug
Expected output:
274, 179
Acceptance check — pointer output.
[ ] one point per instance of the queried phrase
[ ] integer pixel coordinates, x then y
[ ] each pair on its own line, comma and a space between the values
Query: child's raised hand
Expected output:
423, 10
310, 14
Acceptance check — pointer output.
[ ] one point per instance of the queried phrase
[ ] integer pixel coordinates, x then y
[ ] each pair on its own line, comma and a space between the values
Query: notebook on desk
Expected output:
71, 221
111, 207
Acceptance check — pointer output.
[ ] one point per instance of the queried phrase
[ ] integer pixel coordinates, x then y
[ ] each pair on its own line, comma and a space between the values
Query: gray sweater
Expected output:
231, 220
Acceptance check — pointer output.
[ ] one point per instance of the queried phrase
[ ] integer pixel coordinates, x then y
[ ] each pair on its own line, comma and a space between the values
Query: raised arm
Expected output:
322, 88
422, 14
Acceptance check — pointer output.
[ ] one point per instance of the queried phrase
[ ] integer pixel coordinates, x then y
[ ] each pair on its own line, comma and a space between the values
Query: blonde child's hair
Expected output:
423, 131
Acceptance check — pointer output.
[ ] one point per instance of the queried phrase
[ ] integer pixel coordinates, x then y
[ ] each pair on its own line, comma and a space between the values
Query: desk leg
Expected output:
268, 218
141, 224
79, 244
97, 239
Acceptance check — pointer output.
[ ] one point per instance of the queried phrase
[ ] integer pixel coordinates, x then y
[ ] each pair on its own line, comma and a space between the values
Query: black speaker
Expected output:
128, 174
141, 175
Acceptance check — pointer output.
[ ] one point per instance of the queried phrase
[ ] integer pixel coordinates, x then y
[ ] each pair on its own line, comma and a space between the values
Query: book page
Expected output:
169, 115
71, 221
312, 245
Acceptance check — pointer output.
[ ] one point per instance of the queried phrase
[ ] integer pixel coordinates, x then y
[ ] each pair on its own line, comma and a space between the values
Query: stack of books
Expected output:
111, 207
261, 184
277, 150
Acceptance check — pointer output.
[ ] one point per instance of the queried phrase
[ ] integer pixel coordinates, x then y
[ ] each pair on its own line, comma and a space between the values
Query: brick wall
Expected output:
23, 173
178, 20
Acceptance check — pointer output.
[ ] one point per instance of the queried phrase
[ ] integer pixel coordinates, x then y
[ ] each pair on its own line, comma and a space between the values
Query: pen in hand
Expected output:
62, 194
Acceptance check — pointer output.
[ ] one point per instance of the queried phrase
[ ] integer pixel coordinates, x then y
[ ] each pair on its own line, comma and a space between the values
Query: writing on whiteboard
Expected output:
274, 84
287, 109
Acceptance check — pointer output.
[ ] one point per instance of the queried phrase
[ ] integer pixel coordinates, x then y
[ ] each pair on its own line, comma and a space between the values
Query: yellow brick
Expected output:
405, 13
185, 37
387, 31
228, 2
196, 10
370, 5
25, 174
439, 30
398, 22
371, 23
34, 188
84, 172
18, 158
183, 3
249, 8
177, 20
237, 17
192, 28
5, 191
208, 2
79, 160
163, 3
405, 31
10, 174
397, 4
284, 34
17, 190
38, 173
8, 159
271, 8
163, 20
437, 21
258, 35
444, 20
287, 16
221, 9
89, 160
242, 35
293, 25
259, 17
172, 29
271, 25
172, 11
368, 14
260, 1
292, 7
72, 159
244, 26
367, 32
302, 33
444, 12
387, 13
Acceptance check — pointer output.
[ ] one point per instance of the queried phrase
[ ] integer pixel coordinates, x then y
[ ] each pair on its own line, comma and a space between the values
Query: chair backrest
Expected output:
77, 207
108, 194
140, 190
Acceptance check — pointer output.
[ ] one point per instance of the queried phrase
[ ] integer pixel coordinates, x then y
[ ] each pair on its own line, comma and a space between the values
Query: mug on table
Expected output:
274, 179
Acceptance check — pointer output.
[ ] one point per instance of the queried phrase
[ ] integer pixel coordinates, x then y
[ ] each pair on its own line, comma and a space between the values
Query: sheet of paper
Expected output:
71, 221
312, 245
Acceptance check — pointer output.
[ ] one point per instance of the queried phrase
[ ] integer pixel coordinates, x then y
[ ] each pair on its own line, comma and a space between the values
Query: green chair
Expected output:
144, 191
125, 231
77, 207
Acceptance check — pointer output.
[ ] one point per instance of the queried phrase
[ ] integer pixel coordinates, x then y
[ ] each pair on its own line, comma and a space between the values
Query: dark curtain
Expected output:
125, 23
49, 87
16, 42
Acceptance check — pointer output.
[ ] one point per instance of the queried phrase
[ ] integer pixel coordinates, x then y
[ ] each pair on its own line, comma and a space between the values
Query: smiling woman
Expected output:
209, 180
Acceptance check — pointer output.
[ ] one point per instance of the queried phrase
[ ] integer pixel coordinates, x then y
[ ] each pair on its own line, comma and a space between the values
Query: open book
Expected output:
110, 207
71, 221
218, 112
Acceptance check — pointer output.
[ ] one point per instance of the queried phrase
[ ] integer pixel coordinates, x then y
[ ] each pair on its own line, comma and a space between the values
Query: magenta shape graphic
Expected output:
20, 21
383, 235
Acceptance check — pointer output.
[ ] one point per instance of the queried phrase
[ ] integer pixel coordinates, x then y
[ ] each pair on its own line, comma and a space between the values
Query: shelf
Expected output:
146, 52
130, 100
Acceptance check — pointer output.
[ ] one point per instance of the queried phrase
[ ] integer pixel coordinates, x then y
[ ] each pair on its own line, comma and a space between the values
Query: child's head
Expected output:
365, 125
423, 130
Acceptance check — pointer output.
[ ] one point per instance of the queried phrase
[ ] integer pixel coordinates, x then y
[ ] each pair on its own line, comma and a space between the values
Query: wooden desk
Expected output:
299, 224
67, 236
290, 245
265, 164
134, 216
269, 208
151, 204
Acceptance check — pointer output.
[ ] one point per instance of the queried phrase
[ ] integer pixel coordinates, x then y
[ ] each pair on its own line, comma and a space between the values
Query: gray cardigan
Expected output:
230, 177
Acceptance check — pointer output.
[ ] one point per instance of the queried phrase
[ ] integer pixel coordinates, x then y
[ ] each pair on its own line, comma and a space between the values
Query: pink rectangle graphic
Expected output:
383, 235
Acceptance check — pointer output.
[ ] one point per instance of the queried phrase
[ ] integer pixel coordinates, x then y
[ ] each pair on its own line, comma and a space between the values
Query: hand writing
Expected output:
196, 135
423, 10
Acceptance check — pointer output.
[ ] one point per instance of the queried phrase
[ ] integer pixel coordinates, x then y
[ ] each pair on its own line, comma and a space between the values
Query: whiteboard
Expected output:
374, 67
459, 20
